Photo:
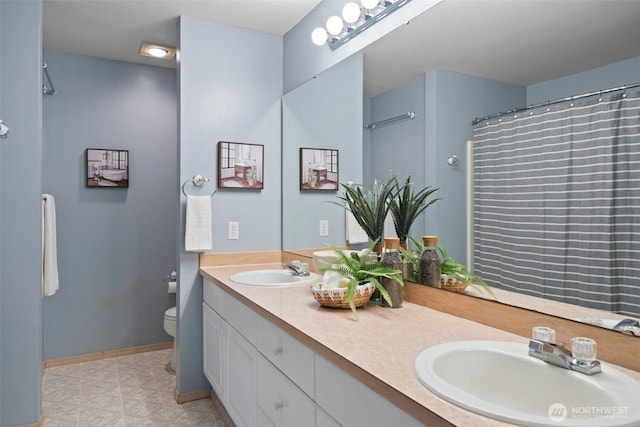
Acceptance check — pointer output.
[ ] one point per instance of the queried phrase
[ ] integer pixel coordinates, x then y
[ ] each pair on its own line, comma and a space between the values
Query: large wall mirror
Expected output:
458, 67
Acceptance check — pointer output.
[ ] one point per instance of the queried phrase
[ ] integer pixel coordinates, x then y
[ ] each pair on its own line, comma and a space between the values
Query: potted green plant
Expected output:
370, 209
360, 269
406, 205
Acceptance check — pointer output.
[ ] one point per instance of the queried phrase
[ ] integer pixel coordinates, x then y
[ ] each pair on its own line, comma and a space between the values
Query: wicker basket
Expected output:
451, 284
337, 297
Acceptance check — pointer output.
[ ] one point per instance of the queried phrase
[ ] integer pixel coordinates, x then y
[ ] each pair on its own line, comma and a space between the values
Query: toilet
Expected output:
170, 328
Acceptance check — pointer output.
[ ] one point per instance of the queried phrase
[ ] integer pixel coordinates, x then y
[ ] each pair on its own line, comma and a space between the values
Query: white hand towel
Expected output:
50, 282
355, 233
197, 235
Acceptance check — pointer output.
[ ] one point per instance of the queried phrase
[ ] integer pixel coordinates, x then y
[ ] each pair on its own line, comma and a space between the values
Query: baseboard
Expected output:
190, 395
106, 354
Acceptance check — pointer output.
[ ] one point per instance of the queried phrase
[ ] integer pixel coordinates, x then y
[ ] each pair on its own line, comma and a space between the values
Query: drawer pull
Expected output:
278, 350
278, 405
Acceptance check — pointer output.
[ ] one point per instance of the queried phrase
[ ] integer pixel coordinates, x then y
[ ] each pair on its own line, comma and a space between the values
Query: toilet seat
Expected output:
170, 314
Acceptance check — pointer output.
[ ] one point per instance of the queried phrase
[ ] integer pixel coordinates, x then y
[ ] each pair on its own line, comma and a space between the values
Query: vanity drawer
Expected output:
241, 318
238, 316
294, 359
280, 400
213, 296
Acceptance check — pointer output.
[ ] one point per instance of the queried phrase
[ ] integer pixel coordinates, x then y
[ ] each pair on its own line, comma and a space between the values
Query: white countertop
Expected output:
383, 343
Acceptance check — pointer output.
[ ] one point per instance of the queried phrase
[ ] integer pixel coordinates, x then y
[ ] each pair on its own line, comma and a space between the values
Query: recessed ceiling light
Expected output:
156, 50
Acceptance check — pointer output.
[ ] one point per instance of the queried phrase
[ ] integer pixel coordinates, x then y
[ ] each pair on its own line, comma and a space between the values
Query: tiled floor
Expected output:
133, 390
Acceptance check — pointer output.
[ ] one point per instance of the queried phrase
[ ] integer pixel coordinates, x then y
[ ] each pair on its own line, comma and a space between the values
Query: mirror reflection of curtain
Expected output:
557, 202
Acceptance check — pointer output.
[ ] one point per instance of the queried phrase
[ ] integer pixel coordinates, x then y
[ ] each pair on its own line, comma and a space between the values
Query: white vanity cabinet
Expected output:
229, 357
266, 377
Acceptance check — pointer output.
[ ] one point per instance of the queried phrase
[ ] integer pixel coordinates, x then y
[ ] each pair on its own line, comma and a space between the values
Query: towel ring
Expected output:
198, 181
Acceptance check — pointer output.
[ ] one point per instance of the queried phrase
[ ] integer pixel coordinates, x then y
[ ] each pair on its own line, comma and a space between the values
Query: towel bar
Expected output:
198, 181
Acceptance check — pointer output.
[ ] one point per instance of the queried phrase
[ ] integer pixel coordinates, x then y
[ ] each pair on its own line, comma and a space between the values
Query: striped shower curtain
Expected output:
557, 202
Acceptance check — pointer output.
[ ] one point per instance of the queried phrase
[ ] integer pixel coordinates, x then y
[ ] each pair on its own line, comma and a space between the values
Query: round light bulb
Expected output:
369, 4
351, 12
335, 25
319, 36
158, 52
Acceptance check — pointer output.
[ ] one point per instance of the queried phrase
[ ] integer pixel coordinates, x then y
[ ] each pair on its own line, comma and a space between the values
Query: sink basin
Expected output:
271, 278
501, 381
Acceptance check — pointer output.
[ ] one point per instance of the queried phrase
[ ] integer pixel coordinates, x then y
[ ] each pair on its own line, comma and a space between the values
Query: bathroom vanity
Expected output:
275, 357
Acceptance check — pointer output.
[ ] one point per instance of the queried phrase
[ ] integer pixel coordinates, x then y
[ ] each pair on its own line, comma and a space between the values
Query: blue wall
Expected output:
230, 84
445, 104
332, 121
608, 76
398, 149
116, 245
20, 212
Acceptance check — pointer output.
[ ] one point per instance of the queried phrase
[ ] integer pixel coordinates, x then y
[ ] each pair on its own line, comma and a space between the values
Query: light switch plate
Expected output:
324, 228
233, 230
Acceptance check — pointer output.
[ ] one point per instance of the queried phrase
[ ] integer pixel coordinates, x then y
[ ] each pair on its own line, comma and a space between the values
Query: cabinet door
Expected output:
240, 379
213, 341
282, 402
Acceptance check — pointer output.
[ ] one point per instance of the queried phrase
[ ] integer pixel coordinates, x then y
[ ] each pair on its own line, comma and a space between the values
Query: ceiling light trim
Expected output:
146, 46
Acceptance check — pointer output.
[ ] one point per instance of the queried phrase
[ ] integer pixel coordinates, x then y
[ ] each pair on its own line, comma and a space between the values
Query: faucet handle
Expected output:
543, 333
583, 349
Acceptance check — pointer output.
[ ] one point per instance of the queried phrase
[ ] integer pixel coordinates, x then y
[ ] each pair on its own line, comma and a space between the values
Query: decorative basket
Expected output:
337, 297
451, 284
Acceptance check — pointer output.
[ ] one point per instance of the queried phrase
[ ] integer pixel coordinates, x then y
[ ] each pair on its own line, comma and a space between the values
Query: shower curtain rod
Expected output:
45, 90
557, 101
406, 116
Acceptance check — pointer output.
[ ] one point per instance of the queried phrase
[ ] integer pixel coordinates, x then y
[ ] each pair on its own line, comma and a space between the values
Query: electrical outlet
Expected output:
233, 230
324, 228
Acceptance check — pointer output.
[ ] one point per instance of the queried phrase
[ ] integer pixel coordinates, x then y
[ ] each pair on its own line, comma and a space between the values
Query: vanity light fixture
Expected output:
156, 50
355, 19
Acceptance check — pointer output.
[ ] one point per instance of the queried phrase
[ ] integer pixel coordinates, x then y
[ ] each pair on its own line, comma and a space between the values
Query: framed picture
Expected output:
107, 168
240, 165
318, 169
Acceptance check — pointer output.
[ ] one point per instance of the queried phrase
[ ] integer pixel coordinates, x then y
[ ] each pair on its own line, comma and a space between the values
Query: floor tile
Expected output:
133, 390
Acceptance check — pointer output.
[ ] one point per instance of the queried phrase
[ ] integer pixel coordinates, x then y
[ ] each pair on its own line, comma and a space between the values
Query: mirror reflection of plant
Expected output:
406, 205
370, 209
450, 267
412, 256
360, 269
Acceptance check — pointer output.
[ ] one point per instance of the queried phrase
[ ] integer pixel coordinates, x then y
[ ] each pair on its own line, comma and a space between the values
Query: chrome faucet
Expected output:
558, 355
296, 269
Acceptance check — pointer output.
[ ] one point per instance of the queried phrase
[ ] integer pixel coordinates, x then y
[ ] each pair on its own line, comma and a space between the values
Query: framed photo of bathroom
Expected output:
240, 166
318, 169
107, 168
